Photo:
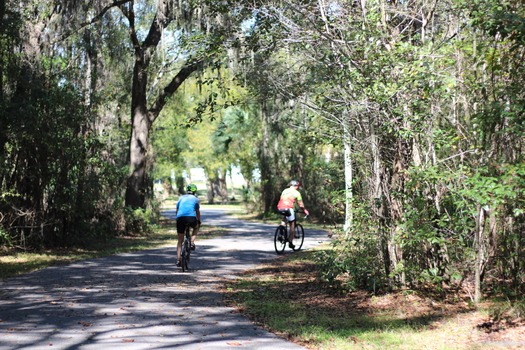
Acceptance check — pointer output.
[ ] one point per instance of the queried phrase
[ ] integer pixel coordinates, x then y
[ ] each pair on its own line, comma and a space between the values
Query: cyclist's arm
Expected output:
301, 205
198, 212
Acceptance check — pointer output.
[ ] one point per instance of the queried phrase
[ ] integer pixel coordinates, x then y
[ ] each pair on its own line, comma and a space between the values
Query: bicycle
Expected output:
281, 236
185, 251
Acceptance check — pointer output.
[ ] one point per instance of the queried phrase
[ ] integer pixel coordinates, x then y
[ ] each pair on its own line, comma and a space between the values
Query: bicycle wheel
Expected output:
298, 237
279, 239
185, 255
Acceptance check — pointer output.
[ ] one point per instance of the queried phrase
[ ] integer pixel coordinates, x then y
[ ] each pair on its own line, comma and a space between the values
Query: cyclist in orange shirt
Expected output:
286, 207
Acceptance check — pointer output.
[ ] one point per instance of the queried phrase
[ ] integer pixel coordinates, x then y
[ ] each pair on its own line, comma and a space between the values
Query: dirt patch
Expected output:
508, 331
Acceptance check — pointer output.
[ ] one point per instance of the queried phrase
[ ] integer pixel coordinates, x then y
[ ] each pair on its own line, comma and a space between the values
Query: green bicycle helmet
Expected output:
191, 188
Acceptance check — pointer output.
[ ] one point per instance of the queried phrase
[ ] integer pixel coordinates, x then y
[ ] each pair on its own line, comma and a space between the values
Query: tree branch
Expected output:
98, 17
130, 15
104, 10
172, 87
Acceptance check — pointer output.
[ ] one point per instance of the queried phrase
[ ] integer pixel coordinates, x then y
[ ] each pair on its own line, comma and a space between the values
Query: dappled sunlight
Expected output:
137, 299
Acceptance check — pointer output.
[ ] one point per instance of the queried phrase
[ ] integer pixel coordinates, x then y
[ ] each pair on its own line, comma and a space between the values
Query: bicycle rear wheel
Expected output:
279, 239
298, 237
185, 255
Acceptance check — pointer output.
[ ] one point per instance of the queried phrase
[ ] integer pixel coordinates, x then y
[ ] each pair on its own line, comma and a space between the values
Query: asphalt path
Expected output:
141, 300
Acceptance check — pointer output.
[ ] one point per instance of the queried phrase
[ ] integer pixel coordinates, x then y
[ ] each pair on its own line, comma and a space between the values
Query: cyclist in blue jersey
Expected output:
188, 214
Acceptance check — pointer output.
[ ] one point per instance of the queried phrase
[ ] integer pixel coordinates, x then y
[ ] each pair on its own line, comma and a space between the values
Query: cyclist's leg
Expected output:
195, 233
285, 213
291, 220
179, 246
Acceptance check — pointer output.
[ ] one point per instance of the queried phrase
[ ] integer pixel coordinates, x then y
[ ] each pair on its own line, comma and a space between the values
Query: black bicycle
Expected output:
281, 236
185, 251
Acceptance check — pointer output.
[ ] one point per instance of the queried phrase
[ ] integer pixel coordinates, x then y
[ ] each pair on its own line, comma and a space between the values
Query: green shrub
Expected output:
141, 221
353, 263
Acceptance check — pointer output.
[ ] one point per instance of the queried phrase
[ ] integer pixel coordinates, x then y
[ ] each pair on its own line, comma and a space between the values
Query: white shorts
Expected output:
289, 213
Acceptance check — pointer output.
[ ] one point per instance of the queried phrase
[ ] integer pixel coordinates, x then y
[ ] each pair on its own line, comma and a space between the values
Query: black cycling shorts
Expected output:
184, 221
285, 212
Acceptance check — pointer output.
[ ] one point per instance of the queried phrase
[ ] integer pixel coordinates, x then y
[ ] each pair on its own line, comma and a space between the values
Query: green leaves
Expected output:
495, 186
503, 18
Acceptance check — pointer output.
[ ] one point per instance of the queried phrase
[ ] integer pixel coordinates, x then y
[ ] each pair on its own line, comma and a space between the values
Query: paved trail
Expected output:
141, 300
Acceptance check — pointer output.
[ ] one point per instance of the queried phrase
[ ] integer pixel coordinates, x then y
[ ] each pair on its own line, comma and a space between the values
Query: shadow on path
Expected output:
141, 300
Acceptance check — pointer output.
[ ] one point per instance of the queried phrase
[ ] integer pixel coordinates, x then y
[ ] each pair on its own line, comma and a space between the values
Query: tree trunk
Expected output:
140, 128
141, 120
264, 156
223, 186
480, 249
210, 190
89, 89
397, 184
141, 117
348, 177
